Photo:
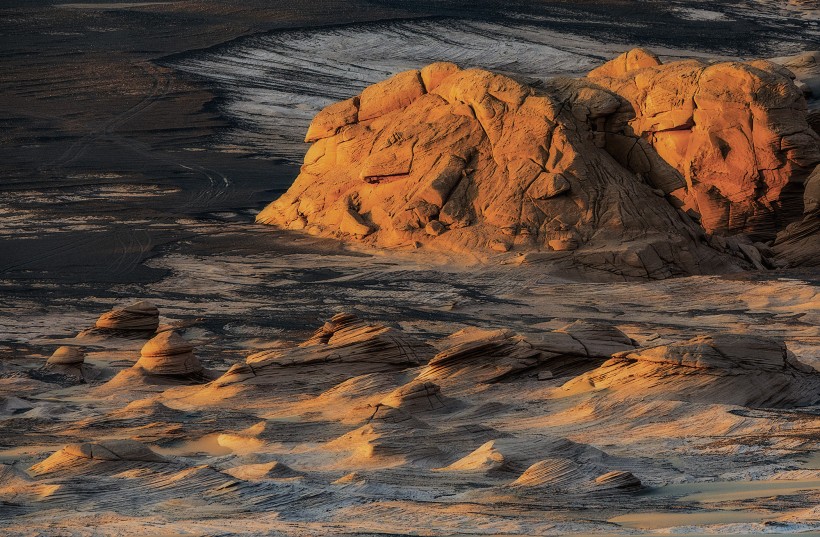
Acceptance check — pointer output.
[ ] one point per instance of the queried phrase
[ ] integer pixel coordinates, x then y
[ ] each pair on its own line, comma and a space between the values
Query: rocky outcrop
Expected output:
486, 356
343, 348
74, 455
735, 134
734, 369
70, 362
168, 354
137, 321
471, 161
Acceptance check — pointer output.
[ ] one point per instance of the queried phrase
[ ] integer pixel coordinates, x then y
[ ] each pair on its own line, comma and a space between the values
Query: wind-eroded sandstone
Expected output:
735, 133
738, 369
472, 161
635, 170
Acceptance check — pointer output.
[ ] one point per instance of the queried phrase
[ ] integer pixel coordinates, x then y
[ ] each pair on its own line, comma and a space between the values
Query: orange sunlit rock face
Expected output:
472, 161
736, 132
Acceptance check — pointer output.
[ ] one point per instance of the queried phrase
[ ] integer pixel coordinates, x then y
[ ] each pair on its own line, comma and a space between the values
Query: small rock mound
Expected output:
416, 396
557, 473
140, 316
737, 369
481, 356
617, 479
66, 356
264, 471
487, 458
72, 455
168, 354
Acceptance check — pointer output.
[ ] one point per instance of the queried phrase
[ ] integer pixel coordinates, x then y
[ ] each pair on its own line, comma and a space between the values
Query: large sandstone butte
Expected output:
471, 161
735, 133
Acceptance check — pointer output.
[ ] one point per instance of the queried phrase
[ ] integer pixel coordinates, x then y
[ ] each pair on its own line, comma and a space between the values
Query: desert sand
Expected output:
211, 327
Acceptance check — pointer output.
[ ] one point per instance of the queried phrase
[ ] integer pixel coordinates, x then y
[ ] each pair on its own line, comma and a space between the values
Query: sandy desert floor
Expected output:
140, 140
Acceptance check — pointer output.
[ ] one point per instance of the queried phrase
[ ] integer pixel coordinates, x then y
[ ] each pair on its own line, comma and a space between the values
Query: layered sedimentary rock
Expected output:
799, 243
737, 369
66, 356
72, 456
168, 354
140, 316
342, 348
486, 356
735, 133
468, 160
69, 361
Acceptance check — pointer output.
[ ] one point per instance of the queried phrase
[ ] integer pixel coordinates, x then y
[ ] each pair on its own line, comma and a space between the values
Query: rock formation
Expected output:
468, 160
799, 243
69, 361
135, 321
599, 171
487, 356
343, 348
735, 133
138, 316
66, 356
730, 369
72, 455
168, 354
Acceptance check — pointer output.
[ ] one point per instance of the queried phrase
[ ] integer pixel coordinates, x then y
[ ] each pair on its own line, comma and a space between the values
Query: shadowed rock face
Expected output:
471, 161
799, 243
735, 133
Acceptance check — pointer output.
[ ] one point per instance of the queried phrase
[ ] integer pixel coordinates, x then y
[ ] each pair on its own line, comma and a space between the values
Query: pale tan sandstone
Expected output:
735, 369
73, 455
66, 356
735, 132
470, 161
168, 354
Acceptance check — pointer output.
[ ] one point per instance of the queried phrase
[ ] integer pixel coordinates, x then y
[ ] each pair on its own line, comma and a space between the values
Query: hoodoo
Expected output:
168, 354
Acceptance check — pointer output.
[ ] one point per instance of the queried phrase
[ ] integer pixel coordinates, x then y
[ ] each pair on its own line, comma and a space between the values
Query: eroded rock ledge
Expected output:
638, 170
